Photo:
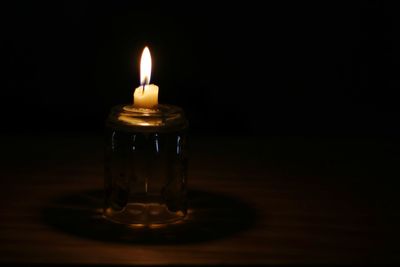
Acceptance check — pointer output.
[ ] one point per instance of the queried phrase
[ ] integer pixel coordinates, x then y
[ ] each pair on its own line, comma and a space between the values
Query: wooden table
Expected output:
254, 200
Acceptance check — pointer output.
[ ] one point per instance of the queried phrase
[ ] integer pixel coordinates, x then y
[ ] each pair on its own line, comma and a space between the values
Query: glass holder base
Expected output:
138, 213
145, 165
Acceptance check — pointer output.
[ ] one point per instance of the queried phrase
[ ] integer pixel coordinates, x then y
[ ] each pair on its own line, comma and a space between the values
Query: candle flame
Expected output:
145, 67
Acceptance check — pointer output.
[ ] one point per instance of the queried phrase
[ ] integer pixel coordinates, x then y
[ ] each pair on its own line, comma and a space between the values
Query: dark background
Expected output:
286, 68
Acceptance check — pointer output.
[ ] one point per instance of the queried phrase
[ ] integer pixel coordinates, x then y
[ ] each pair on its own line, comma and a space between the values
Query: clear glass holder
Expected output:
145, 165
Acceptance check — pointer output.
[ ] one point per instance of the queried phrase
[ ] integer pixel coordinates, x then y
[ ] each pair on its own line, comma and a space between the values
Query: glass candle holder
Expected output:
145, 165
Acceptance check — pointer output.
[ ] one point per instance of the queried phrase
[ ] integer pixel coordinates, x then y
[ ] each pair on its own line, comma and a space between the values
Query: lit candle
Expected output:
146, 95
145, 171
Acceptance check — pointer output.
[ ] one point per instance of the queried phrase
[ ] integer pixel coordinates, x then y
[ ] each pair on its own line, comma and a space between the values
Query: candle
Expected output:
146, 95
145, 167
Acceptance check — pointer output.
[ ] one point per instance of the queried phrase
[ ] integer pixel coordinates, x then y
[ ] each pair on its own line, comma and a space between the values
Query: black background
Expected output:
285, 68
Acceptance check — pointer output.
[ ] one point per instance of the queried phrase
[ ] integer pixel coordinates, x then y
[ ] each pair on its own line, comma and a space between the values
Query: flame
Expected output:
145, 67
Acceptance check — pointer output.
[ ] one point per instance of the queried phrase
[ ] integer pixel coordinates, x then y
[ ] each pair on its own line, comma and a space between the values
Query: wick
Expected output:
144, 84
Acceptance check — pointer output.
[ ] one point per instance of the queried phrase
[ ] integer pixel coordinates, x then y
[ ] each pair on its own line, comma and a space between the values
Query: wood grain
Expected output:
259, 200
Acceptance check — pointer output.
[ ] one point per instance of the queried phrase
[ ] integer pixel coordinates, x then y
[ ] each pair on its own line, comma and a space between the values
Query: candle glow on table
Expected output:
146, 95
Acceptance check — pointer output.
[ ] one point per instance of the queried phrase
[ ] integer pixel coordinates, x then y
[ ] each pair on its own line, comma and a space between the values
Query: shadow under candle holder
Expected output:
211, 216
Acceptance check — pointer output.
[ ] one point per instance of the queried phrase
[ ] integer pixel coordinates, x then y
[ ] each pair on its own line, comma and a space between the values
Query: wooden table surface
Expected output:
253, 200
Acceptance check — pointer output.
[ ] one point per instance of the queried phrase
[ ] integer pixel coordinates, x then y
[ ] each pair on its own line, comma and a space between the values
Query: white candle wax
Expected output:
146, 97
